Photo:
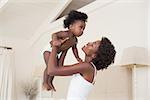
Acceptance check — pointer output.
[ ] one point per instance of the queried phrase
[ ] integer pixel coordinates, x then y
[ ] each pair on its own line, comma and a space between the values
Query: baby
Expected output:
75, 22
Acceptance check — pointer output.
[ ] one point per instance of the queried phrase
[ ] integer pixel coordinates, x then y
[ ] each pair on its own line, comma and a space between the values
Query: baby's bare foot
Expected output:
46, 86
50, 84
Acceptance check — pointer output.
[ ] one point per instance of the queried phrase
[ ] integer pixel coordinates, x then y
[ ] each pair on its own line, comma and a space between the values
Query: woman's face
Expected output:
77, 27
91, 48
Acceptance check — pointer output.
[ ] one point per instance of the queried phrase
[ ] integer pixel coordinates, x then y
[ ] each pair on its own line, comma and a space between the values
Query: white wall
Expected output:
23, 61
148, 26
124, 23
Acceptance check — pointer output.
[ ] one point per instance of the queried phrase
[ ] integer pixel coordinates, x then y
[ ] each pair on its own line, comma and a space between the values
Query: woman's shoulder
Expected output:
85, 64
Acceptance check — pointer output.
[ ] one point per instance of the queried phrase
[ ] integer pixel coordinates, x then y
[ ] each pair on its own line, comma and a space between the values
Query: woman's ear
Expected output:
93, 55
70, 26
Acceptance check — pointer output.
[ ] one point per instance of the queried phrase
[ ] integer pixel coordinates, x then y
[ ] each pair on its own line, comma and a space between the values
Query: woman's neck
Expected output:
88, 59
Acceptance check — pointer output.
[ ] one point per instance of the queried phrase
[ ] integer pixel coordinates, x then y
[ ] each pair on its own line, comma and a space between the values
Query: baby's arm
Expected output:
75, 52
58, 38
57, 35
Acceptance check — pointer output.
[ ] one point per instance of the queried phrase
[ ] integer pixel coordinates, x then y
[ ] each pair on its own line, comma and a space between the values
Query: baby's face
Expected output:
78, 27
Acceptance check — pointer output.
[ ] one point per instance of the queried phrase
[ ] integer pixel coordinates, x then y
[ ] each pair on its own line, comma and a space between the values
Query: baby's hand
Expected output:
79, 60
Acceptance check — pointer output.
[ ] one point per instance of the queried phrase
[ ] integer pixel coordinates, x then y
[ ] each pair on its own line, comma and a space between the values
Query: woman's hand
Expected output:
56, 43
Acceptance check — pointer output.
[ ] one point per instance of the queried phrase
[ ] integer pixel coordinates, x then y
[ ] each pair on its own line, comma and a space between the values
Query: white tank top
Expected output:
79, 87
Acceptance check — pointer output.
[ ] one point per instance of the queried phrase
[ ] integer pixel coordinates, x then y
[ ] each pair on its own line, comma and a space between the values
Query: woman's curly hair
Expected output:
73, 16
105, 54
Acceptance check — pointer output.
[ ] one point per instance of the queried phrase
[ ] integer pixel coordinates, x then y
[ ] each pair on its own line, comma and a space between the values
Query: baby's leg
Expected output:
46, 55
47, 79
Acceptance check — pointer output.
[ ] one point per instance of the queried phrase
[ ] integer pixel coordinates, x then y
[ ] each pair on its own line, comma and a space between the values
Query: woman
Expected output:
98, 56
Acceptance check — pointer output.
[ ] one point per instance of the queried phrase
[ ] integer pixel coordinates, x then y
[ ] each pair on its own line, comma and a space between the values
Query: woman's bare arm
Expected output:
55, 70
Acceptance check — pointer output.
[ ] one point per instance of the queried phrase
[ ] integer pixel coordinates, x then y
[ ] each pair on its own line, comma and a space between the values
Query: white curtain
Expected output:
7, 74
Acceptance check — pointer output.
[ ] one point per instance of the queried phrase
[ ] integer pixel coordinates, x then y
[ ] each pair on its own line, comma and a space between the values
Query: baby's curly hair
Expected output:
105, 54
73, 16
